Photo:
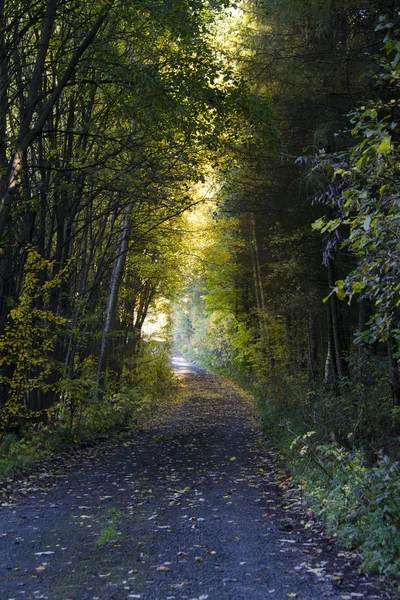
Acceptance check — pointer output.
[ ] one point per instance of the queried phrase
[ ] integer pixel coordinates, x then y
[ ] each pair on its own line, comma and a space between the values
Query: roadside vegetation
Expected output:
80, 418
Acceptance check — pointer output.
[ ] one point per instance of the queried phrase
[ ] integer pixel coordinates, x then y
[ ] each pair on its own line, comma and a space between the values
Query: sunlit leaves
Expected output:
28, 339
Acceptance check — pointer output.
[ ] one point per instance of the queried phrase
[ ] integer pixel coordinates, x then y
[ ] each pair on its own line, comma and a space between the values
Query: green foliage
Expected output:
17, 453
362, 505
81, 417
331, 444
147, 380
74, 393
364, 194
253, 304
136, 123
146, 383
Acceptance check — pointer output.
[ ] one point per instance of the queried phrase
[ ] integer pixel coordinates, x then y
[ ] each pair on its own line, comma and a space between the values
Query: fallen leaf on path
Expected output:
179, 586
319, 571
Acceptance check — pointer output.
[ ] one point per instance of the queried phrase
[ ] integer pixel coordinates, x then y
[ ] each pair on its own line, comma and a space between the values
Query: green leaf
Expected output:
386, 145
396, 60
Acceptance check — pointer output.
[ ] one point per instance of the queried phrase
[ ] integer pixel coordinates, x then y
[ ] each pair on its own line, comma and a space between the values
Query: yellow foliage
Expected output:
29, 337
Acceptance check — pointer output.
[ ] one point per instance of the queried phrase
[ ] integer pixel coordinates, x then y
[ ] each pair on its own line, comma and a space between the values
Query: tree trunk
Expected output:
28, 134
340, 364
312, 351
115, 283
4, 85
330, 369
394, 371
260, 296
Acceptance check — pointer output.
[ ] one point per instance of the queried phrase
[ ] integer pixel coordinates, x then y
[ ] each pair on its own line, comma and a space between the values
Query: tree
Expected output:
99, 152
28, 133
366, 183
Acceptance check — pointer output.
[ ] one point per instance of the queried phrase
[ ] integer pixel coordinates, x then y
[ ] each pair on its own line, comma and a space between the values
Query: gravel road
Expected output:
195, 505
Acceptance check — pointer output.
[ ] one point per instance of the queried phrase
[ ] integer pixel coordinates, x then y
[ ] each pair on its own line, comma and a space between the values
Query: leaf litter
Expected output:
204, 506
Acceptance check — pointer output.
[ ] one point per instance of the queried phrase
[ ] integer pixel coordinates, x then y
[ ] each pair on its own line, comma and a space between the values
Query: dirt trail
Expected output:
193, 506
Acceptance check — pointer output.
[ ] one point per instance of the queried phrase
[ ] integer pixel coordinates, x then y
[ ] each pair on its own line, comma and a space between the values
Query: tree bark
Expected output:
312, 350
259, 293
27, 133
4, 84
330, 369
340, 365
115, 283
394, 371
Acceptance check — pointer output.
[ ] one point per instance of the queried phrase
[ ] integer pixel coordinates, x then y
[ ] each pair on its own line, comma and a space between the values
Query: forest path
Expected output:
194, 506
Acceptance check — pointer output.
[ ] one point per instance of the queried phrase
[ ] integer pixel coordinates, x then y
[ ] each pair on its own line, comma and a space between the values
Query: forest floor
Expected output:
195, 505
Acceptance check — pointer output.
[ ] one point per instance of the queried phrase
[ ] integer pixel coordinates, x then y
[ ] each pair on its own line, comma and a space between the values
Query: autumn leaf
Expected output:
163, 568
41, 568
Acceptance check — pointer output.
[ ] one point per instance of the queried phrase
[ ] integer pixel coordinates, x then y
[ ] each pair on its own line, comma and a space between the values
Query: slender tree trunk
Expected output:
330, 369
340, 365
130, 347
255, 270
5, 257
394, 371
37, 75
115, 283
260, 296
289, 340
4, 85
312, 350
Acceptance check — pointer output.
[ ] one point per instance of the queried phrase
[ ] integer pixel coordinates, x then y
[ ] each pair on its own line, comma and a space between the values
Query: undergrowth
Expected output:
81, 417
344, 454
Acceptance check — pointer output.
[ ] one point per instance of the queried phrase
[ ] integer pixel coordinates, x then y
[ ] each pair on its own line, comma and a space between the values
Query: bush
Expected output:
80, 416
361, 504
331, 441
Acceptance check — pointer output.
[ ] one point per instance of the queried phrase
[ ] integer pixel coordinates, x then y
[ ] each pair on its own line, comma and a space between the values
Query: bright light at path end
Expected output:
181, 365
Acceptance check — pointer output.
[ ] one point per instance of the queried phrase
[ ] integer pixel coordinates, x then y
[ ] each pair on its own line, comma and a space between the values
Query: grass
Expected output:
110, 534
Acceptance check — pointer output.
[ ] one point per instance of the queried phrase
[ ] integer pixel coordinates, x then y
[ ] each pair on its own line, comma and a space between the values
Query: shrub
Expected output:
331, 440
81, 416
362, 505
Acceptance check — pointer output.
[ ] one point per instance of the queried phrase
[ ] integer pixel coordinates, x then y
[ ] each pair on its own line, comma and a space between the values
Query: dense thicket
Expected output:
316, 65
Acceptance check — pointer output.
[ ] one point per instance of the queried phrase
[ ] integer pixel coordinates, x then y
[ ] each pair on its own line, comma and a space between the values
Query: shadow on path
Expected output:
194, 506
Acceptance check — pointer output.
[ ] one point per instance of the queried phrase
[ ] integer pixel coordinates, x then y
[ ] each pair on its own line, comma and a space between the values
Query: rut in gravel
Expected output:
195, 505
